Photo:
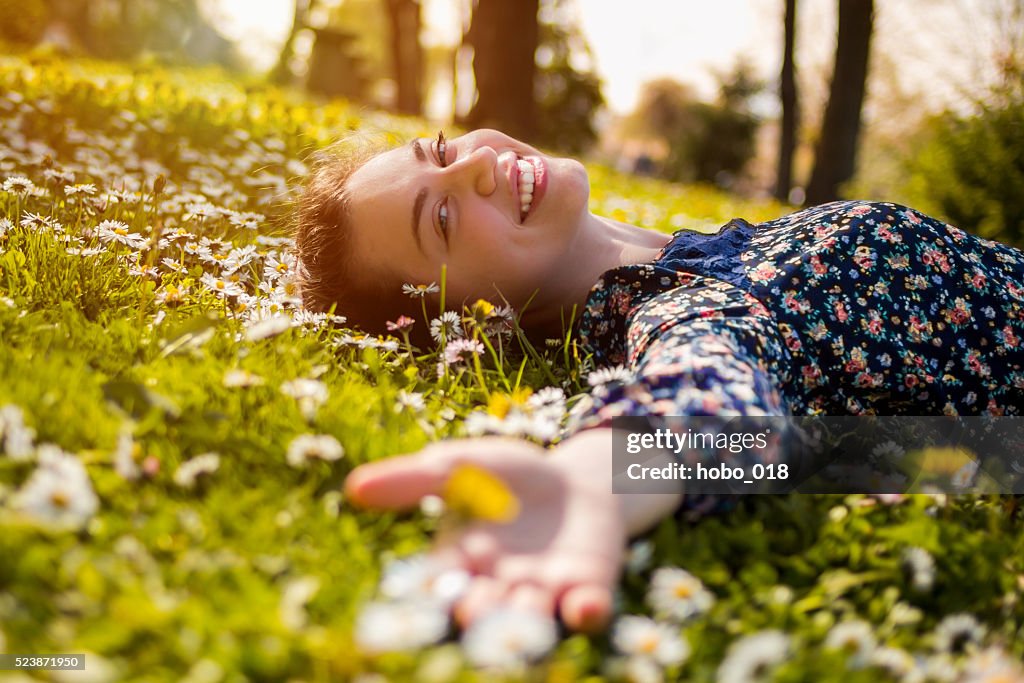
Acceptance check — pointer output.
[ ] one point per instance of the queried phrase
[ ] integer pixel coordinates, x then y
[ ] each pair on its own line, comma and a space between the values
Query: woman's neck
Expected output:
601, 245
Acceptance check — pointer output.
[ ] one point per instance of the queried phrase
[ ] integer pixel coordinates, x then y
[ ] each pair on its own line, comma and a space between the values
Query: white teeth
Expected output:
526, 185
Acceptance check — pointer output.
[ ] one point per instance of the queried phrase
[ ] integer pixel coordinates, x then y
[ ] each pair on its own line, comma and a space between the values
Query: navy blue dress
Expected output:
849, 308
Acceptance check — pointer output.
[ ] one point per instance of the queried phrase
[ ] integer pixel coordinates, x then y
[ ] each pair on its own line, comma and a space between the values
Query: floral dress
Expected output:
849, 308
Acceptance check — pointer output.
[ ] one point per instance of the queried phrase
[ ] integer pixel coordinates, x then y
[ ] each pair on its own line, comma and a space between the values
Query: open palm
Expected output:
562, 552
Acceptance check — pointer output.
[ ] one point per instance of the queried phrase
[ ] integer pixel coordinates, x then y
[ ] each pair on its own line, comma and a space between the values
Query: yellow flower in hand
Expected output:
474, 493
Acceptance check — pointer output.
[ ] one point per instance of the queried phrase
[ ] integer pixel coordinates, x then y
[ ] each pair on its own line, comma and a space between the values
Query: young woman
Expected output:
848, 308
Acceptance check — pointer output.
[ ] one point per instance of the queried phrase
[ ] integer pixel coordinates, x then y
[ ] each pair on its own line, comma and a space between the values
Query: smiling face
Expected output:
468, 204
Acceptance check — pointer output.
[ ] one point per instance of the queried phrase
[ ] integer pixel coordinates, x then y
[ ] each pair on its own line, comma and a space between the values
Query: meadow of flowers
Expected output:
174, 432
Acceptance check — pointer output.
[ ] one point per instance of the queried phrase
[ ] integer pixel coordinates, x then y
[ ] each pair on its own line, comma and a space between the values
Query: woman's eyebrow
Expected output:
417, 211
418, 149
421, 197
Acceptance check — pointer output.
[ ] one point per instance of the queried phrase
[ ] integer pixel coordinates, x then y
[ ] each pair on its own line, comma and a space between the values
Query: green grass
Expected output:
164, 579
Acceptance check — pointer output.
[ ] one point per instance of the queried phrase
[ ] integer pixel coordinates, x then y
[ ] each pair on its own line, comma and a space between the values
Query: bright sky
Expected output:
638, 40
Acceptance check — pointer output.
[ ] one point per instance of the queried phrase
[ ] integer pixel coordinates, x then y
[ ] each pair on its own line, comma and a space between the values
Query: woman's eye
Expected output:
442, 219
442, 149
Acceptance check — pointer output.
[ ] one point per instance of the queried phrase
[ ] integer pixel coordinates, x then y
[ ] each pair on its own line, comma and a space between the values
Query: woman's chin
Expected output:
573, 182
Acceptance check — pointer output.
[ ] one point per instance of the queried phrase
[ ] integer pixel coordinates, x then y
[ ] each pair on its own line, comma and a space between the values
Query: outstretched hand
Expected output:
560, 555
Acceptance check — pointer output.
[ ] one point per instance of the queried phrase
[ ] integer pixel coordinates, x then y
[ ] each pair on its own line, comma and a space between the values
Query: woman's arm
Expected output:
563, 553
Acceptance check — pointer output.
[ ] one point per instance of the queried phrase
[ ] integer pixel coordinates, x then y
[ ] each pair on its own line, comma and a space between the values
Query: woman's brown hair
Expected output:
329, 275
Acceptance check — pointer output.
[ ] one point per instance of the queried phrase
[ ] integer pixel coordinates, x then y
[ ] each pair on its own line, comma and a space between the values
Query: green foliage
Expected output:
568, 93
707, 143
135, 371
969, 169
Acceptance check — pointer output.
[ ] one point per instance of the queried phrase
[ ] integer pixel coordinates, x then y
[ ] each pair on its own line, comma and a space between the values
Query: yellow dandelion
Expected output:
475, 493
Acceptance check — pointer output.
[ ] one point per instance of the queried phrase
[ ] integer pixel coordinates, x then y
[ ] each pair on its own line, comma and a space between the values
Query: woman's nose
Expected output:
479, 168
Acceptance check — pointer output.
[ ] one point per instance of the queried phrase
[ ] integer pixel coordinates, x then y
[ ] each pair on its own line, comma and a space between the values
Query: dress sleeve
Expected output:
696, 353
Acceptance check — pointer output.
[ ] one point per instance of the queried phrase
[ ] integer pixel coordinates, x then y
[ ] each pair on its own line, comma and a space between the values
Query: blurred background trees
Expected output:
709, 142
857, 128
836, 151
970, 166
174, 30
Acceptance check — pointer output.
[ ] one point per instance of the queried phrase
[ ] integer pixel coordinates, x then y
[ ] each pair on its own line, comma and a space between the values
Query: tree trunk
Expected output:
504, 37
790, 108
836, 153
281, 74
406, 54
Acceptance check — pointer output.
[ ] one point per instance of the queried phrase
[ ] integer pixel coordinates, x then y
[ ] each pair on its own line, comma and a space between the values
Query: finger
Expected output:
397, 482
483, 595
401, 481
531, 597
586, 607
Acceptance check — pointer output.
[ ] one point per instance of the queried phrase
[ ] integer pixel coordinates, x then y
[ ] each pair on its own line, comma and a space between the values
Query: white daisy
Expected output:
201, 210
448, 324
431, 506
197, 249
116, 231
278, 265
638, 636
920, 567
125, 455
247, 220
418, 577
958, 632
508, 638
173, 265
310, 393
19, 185
304, 317
634, 670
420, 291
87, 251
516, 422
239, 257
752, 656
267, 327
964, 476
306, 447
220, 286
855, 637
87, 189
172, 295
59, 492
38, 221
400, 626
639, 556
275, 241
58, 176
17, 437
462, 350
889, 451
899, 663
677, 594
296, 595
548, 401
409, 400
241, 378
188, 472
602, 376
